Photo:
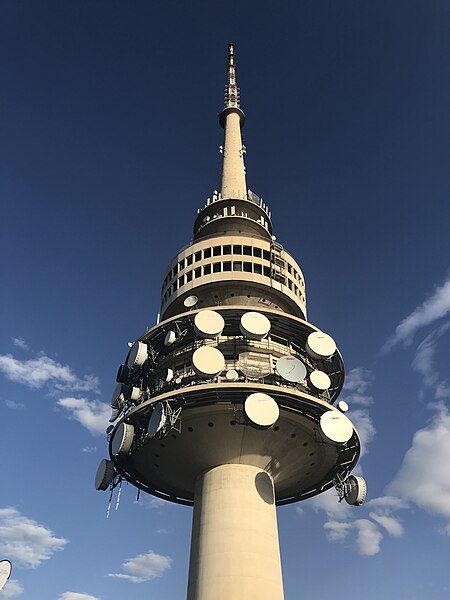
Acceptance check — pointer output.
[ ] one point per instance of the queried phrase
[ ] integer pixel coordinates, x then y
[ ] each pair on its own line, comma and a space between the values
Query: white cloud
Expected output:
89, 449
77, 596
25, 541
368, 538
424, 476
20, 343
144, 567
433, 309
14, 405
151, 502
356, 394
337, 531
386, 504
12, 589
392, 525
42, 371
329, 502
92, 414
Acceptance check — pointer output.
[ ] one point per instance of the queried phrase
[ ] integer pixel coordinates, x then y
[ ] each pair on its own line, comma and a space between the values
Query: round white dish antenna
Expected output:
5, 572
342, 406
356, 490
261, 409
291, 368
104, 475
168, 375
208, 362
178, 380
170, 338
320, 345
319, 381
190, 301
157, 420
336, 427
208, 324
232, 375
122, 440
254, 325
138, 354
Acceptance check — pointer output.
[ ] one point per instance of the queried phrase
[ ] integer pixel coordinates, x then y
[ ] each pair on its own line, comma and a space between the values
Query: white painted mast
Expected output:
231, 119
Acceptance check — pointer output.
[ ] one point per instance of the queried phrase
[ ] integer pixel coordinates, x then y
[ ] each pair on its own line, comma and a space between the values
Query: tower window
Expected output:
181, 265
207, 253
198, 256
248, 250
237, 250
226, 266
180, 281
188, 276
267, 271
217, 267
257, 252
266, 255
257, 269
248, 267
198, 272
227, 250
217, 250
207, 270
189, 260
237, 266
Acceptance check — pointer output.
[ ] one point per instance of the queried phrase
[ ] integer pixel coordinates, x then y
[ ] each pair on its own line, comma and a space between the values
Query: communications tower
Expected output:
229, 402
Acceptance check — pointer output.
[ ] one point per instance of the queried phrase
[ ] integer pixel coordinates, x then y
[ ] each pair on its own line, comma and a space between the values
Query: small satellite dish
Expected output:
254, 325
355, 490
138, 355
336, 427
208, 324
178, 380
232, 375
168, 375
118, 397
115, 412
291, 368
157, 420
319, 381
190, 301
342, 406
130, 344
104, 475
208, 362
5, 572
123, 374
122, 440
261, 409
170, 338
320, 345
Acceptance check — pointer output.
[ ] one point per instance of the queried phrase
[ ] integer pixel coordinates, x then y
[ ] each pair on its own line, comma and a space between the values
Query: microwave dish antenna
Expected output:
5, 572
291, 368
190, 301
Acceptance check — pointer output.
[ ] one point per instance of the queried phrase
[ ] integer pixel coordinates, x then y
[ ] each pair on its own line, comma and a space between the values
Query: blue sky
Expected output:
109, 145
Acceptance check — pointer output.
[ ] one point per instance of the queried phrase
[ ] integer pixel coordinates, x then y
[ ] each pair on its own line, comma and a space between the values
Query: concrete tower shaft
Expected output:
227, 402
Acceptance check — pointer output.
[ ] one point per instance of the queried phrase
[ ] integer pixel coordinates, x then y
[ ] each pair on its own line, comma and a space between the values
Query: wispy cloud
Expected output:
89, 449
20, 343
434, 308
14, 405
151, 502
77, 596
356, 394
424, 476
42, 370
12, 589
92, 414
144, 567
25, 541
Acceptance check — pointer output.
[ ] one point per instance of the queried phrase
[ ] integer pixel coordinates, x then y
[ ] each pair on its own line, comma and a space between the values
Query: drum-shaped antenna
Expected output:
254, 325
132, 393
342, 406
319, 381
123, 374
104, 475
190, 301
320, 345
356, 490
170, 338
122, 439
336, 427
291, 368
5, 572
208, 324
138, 355
208, 362
157, 420
261, 409
232, 375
